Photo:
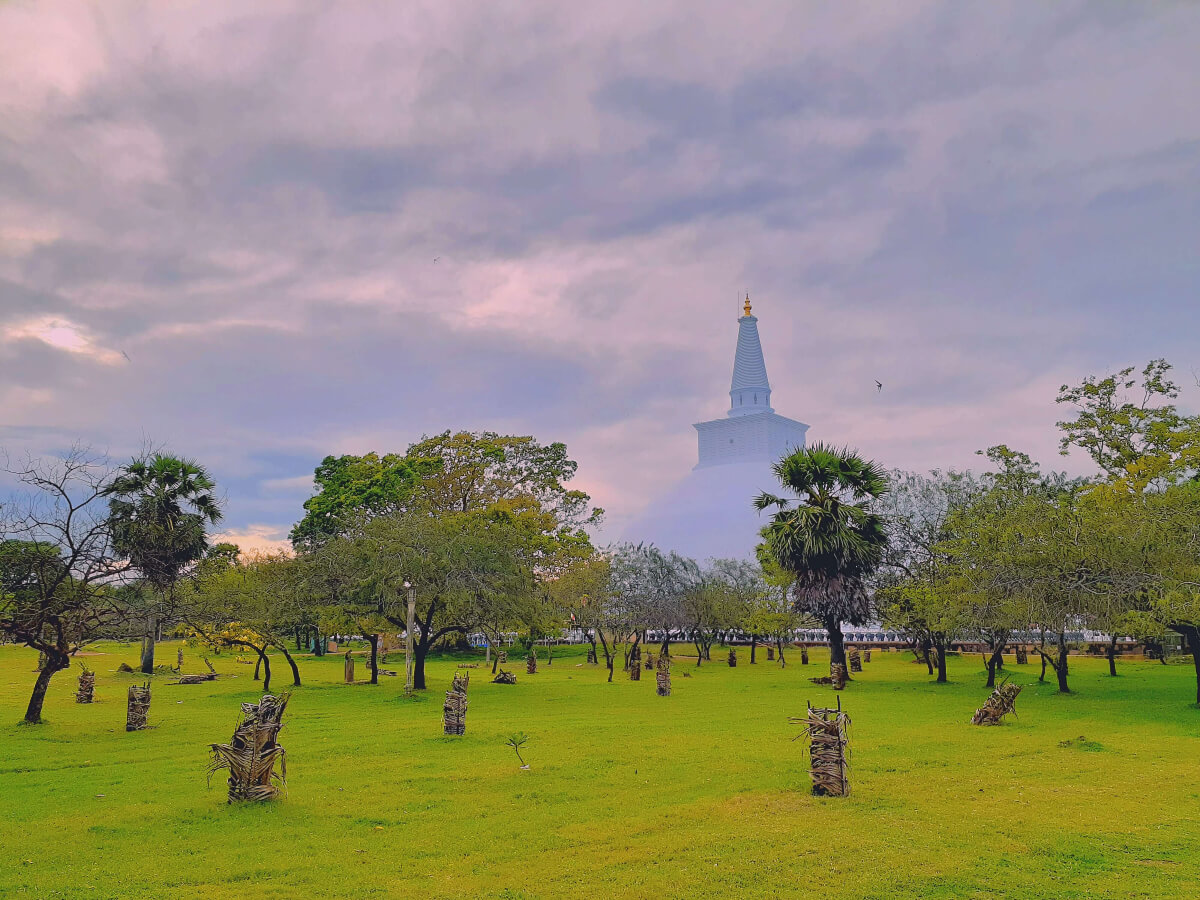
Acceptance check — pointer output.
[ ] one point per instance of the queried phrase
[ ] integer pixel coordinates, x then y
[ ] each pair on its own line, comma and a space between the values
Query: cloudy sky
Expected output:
262, 237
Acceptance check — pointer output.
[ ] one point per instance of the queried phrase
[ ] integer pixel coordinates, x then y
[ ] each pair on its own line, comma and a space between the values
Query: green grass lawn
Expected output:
700, 794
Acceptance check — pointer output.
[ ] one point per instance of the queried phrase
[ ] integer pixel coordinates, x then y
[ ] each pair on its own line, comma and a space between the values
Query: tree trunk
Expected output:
292, 663
1061, 669
422, 650
939, 649
374, 640
1112, 655
258, 669
148, 644
33, 713
994, 663
837, 644
320, 646
1191, 633
753, 645
779, 648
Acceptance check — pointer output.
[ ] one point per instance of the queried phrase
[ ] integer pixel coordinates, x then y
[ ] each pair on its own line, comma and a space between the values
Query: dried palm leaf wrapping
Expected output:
770, 654
531, 664
649, 662
827, 731
855, 659
505, 678
591, 656
732, 657
454, 711
635, 669
179, 658
836, 677
804, 656
252, 754
502, 655
663, 675
138, 710
1002, 702
866, 656
87, 685
1022, 656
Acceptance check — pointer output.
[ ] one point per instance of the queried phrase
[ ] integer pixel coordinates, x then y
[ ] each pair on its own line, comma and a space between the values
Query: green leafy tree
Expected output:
826, 536
350, 488
160, 507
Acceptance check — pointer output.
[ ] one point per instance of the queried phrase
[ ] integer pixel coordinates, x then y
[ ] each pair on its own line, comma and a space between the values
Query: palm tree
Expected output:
159, 509
827, 538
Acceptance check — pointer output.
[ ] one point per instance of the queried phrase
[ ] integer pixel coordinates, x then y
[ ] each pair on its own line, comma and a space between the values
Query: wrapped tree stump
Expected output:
531, 664
635, 669
1002, 702
138, 710
770, 654
732, 657
252, 754
836, 677
197, 679
179, 659
855, 659
804, 656
454, 710
649, 662
349, 668
828, 736
866, 656
87, 685
1022, 656
502, 655
505, 678
591, 656
663, 675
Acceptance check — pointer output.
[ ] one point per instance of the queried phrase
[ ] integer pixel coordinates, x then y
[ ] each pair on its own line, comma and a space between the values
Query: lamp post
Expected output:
408, 638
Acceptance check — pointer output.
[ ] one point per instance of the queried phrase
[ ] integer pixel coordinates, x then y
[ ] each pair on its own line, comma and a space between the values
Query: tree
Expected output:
159, 509
250, 602
1140, 438
827, 537
350, 488
57, 568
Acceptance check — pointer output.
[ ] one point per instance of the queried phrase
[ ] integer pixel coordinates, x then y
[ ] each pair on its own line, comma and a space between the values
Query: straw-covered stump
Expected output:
649, 662
663, 675
770, 654
138, 710
531, 664
502, 655
1022, 656
591, 656
179, 658
252, 754
635, 668
855, 659
1002, 702
804, 656
866, 656
732, 657
454, 711
87, 685
349, 669
827, 731
836, 677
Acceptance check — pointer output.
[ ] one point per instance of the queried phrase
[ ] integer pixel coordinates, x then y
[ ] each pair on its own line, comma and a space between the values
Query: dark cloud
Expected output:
971, 202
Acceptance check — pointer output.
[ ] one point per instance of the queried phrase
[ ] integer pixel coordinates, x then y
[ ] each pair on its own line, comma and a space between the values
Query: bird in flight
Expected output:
436, 258
878, 385
126, 355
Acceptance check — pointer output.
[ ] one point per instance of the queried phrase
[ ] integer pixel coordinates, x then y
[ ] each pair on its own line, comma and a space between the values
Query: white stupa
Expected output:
711, 513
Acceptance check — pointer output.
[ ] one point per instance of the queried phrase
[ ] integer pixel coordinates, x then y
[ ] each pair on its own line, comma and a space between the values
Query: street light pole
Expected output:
408, 638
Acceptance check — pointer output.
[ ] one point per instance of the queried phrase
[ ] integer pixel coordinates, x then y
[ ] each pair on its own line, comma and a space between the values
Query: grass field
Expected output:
629, 795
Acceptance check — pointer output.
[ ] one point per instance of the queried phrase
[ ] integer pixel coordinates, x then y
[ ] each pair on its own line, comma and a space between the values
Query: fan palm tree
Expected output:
827, 538
159, 509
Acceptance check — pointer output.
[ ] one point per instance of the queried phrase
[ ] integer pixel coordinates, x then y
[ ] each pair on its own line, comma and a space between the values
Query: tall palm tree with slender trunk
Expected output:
160, 507
826, 537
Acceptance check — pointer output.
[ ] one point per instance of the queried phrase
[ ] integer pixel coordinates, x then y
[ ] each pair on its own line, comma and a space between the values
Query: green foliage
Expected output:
159, 509
352, 487
827, 537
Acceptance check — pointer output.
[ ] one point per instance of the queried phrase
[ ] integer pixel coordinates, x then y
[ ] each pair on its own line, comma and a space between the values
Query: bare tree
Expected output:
59, 579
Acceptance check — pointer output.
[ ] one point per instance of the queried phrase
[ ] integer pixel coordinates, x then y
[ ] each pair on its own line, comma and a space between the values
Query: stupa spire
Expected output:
750, 392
